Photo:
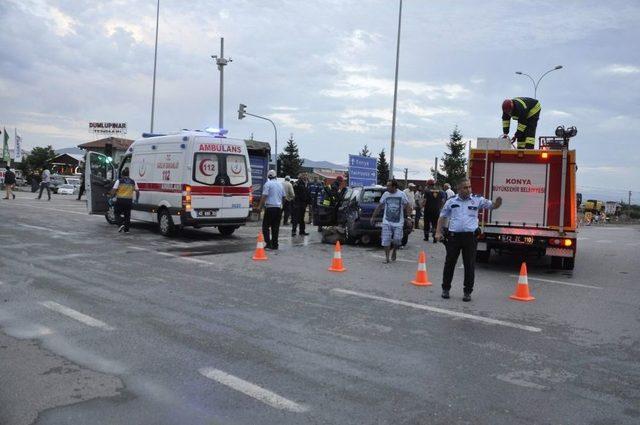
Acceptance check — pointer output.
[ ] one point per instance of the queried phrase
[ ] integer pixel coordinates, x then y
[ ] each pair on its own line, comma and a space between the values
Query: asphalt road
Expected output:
108, 328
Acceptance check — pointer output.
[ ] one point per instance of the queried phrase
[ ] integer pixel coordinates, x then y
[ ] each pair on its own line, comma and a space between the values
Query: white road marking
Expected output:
252, 390
45, 229
457, 314
520, 382
168, 254
397, 259
604, 241
559, 282
57, 209
74, 314
633, 244
61, 257
582, 238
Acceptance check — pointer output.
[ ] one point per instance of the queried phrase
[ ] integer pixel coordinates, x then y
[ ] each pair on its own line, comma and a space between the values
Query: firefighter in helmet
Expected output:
526, 111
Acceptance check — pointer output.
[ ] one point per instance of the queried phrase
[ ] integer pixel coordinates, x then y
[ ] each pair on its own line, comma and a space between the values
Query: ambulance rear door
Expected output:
99, 179
235, 202
207, 181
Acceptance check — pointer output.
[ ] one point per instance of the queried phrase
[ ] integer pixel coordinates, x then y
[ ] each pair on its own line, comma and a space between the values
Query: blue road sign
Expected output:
363, 171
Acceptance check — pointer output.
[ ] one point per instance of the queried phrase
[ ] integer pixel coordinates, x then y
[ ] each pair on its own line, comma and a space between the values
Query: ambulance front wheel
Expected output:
165, 223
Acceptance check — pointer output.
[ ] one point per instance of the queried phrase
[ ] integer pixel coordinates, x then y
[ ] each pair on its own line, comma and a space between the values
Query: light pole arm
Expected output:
539, 79
274, 129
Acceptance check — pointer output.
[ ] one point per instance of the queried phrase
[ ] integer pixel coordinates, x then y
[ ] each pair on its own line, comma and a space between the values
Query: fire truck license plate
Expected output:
207, 213
519, 239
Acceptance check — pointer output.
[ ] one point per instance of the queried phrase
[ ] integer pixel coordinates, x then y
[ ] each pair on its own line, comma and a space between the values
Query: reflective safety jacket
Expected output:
125, 188
524, 109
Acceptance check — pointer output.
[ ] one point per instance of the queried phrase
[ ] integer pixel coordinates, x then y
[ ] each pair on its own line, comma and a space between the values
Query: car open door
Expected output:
99, 178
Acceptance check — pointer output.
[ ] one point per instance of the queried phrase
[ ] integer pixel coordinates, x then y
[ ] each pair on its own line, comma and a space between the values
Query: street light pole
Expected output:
395, 94
536, 84
221, 62
155, 63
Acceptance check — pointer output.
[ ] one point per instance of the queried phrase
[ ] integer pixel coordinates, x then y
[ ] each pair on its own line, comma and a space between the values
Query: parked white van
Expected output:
192, 178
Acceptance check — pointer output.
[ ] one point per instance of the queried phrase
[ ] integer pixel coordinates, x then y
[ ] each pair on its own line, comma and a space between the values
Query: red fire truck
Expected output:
538, 187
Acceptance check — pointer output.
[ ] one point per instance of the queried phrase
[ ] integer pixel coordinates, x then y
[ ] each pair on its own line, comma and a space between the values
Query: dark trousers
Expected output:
42, 187
430, 222
418, 216
81, 190
271, 226
456, 242
528, 138
297, 217
286, 211
123, 212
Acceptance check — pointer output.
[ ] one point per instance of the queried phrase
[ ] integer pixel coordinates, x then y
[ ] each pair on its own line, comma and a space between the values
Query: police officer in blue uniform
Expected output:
462, 212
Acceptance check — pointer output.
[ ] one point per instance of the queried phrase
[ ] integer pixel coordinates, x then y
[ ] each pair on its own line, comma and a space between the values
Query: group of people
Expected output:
456, 225
284, 200
426, 203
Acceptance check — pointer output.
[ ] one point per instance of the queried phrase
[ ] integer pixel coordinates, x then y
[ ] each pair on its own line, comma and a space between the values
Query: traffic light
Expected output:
242, 111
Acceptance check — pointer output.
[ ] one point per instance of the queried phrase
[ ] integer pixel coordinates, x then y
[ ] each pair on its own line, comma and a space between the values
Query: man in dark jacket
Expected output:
526, 111
9, 183
299, 205
432, 203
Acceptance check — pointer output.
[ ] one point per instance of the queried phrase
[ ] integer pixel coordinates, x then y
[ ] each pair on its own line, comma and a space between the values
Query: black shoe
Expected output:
445, 294
304, 234
14, 196
434, 240
466, 298
426, 239
293, 234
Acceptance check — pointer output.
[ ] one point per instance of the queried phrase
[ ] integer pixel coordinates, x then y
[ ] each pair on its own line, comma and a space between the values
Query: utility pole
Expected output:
406, 172
221, 61
629, 203
395, 95
155, 63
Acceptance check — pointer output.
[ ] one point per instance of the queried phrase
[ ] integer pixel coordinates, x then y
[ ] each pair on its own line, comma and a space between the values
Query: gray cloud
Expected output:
324, 71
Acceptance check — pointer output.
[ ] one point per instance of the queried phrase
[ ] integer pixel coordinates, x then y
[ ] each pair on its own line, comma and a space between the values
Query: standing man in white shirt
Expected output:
272, 197
447, 189
46, 180
396, 209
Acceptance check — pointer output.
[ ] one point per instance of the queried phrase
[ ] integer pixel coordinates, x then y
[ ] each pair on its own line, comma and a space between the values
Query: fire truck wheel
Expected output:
165, 223
483, 256
556, 262
568, 263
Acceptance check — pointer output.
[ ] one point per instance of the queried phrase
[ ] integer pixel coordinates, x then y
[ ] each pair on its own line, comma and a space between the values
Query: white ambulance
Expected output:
192, 178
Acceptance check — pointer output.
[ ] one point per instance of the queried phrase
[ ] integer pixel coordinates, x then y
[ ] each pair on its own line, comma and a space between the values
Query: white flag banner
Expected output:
17, 153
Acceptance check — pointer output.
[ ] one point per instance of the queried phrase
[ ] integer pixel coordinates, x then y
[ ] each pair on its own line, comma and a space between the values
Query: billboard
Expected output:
363, 170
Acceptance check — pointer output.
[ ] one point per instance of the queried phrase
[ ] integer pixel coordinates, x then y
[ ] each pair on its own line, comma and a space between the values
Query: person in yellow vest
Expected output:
123, 190
526, 111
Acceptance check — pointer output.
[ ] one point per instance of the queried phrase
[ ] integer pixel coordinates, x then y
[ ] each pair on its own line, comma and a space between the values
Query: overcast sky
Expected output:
323, 70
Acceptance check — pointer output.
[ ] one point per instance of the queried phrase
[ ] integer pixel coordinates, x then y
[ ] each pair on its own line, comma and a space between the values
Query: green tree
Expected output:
39, 159
454, 162
290, 162
383, 168
365, 151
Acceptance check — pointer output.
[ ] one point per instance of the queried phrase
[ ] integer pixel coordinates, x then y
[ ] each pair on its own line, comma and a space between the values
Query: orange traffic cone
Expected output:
260, 255
422, 277
522, 288
336, 263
